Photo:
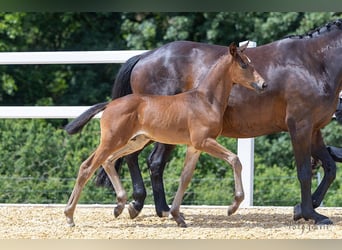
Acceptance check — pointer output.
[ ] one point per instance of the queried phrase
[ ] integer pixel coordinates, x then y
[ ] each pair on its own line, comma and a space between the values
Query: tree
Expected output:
42, 157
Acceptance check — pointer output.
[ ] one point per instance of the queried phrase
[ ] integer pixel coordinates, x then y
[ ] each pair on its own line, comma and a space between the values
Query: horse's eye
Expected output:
242, 63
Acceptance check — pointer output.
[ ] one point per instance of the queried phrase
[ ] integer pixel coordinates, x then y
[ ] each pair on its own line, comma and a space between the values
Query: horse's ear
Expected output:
233, 49
243, 47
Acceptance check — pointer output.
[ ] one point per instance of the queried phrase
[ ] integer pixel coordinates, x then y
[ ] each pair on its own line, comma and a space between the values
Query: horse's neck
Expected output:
217, 84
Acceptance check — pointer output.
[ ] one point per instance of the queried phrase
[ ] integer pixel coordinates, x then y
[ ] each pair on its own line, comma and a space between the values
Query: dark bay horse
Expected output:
193, 118
304, 74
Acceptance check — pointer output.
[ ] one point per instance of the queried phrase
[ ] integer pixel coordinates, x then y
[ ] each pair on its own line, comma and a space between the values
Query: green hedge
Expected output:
39, 163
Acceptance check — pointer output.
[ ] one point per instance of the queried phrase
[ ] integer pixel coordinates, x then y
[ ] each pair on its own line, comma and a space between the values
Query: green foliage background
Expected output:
39, 161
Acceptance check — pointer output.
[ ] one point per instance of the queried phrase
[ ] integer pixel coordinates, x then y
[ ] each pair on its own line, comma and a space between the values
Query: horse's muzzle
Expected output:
259, 87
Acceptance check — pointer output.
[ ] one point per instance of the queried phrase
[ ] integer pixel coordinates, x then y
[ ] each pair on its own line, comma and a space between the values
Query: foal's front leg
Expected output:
191, 159
212, 147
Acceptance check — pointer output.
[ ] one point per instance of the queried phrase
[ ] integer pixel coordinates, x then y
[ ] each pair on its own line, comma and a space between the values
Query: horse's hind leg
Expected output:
86, 170
191, 159
301, 142
156, 163
320, 152
139, 191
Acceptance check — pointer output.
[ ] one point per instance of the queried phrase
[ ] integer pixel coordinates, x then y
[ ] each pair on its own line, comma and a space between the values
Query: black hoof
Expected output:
133, 213
297, 213
325, 221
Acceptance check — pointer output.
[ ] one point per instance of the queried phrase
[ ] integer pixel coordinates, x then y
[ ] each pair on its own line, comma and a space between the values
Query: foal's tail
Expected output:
76, 125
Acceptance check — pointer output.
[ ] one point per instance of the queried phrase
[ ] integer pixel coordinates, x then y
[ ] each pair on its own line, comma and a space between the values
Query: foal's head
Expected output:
242, 70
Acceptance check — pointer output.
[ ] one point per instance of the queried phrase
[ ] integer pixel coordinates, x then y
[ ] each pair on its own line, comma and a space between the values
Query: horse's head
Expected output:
243, 72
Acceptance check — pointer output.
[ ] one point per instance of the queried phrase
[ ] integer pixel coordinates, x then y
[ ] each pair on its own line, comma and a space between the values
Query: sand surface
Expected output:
98, 222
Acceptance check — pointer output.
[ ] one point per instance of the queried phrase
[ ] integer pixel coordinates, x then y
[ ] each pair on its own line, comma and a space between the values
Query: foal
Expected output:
193, 118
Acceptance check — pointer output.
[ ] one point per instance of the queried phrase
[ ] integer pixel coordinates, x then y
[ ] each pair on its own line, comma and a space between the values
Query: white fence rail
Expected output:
67, 57
44, 112
245, 146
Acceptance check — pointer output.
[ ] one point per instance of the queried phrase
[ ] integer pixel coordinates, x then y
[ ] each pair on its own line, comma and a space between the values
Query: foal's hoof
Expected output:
180, 221
132, 211
118, 210
179, 218
232, 209
183, 225
70, 222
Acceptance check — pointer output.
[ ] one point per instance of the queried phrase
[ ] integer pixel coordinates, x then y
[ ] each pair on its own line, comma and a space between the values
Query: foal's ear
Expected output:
233, 49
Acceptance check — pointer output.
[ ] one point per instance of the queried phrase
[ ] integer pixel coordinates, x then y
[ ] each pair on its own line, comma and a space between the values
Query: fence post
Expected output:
245, 151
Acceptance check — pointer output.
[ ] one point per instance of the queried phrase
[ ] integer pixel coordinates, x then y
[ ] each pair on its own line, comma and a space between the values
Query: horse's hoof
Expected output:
118, 210
297, 212
231, 210
162, 214
70, 222
325, 221
180, 221
183, 225
133, 213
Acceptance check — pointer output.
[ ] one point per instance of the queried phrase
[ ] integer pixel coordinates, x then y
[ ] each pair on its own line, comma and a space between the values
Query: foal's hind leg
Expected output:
86, 170
121, 195
132, 146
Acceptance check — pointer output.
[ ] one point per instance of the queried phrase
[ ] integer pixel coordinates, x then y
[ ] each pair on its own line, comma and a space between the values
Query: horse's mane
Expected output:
318, 31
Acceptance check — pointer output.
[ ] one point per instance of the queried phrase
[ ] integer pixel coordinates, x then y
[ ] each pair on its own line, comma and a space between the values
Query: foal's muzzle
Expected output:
259, 86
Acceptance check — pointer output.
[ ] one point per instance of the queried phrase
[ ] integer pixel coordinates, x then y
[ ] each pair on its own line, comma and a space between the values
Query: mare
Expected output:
304, 75
193, 118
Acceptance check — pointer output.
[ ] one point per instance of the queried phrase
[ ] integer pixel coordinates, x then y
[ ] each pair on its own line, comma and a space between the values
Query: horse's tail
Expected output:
77, 124
121, 87
122, 83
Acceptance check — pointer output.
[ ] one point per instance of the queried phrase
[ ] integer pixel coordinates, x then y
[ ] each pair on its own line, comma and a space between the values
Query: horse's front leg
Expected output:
300, 133
156, 163
191, 159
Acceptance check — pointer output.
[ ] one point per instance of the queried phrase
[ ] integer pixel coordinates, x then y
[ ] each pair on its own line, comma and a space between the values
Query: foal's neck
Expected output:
216, 85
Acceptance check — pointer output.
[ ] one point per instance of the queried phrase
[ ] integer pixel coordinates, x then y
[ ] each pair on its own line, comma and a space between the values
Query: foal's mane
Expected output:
319, 31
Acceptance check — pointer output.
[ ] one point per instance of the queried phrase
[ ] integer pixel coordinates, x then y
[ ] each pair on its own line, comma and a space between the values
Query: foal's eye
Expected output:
244, 65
